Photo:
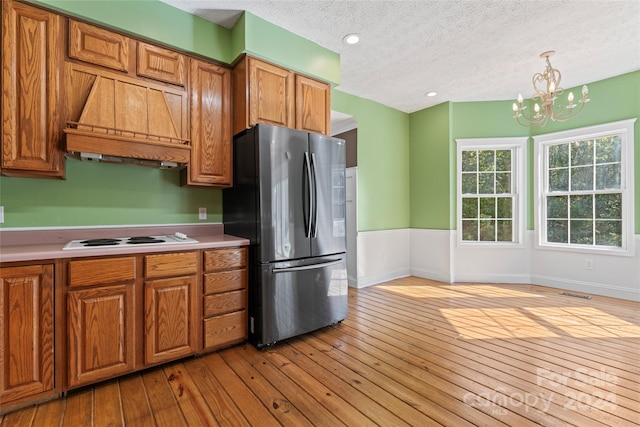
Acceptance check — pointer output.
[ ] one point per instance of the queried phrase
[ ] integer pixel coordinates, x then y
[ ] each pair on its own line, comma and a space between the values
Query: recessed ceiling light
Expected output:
431, 93
352, 38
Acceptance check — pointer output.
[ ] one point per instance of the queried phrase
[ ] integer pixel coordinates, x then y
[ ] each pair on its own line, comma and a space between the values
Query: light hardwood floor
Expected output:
412, 352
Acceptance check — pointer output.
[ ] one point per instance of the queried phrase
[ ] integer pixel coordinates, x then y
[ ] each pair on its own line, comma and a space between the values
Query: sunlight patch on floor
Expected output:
538, 322
457, 291
489, 323
586, 322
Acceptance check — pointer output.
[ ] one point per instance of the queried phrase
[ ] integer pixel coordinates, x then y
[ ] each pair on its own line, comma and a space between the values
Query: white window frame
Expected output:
624, 129
518, 146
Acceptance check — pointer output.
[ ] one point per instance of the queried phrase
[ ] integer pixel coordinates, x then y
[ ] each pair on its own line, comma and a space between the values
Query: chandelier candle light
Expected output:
547, 96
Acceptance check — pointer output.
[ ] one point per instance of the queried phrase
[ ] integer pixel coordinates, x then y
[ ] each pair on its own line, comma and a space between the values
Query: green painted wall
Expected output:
430, 136
106, 194
433, 167
383, 162
275, 44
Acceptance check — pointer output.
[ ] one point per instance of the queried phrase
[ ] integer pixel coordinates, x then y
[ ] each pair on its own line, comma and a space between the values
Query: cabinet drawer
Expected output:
225, 303
101, 271
225, 330
160, 64
98, 46
225, 281
225, 259
176, 264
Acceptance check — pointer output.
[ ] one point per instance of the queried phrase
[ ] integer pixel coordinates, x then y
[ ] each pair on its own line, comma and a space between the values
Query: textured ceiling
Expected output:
476, 50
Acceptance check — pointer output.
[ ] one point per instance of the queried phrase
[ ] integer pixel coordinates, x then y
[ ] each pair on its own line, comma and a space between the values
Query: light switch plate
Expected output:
1, 214
202, 213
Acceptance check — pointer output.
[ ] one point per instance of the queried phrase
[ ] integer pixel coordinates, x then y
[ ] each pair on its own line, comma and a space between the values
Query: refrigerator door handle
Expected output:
314, 219
307, 189
306, 267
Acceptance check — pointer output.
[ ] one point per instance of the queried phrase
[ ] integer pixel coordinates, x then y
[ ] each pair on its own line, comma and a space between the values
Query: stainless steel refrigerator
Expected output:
288, 199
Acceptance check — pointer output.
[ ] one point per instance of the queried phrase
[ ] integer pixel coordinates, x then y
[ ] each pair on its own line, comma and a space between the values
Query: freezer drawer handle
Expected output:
306, 267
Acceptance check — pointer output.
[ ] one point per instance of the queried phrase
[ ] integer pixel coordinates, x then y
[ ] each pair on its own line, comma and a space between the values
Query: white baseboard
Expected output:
588, 287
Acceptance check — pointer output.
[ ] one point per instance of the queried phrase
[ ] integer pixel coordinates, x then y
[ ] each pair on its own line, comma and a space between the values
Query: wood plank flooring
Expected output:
412, 352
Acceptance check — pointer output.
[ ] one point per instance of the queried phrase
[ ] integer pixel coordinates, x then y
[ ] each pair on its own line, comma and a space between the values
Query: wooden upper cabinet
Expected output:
313, 105
263, 93
211, 139
161, 64
266, 93
26, 331
31, 60
98, 46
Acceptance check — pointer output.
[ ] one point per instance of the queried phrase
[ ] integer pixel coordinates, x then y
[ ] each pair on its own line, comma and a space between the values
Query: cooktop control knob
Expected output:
181, 236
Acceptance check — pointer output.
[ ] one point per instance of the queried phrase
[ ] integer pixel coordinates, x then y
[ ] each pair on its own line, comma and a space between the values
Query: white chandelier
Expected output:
545, 106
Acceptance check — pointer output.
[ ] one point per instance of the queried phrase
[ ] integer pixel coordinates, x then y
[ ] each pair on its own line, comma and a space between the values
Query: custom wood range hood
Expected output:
118, 118
121, 117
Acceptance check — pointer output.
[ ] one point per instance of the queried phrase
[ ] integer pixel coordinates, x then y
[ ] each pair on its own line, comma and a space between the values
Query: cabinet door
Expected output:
270, 94
26, 331
31, 130
160, 64
169, 318
100, 333
313, 105
211, 139
98, 46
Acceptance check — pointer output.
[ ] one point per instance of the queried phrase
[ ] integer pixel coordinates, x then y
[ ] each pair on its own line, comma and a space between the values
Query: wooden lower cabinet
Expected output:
26, 332
224, 297
117, 314
101, 304
100, 333
169, 319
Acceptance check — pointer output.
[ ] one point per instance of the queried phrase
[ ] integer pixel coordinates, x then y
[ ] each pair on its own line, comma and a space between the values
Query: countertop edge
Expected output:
35, 252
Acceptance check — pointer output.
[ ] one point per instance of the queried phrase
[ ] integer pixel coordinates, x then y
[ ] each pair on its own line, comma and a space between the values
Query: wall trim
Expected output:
587, 287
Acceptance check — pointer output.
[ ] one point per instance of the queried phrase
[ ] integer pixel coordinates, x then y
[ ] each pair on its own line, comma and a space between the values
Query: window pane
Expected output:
487, 231
470, 230
608, 149
581, 207
581, 232
486, 183
469, 208
469, 161
582, 153
503, 183
559, 180
608, 206
609, 233
582, 178
557, 231
505, 231
559, 156
486, 160
470, 183
487, 208
608, 177
503, 160
505, 207
558, 207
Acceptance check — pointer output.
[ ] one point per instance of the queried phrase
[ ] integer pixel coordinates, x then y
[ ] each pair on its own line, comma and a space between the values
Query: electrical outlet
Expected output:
202, 213
1, 214
588, 264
